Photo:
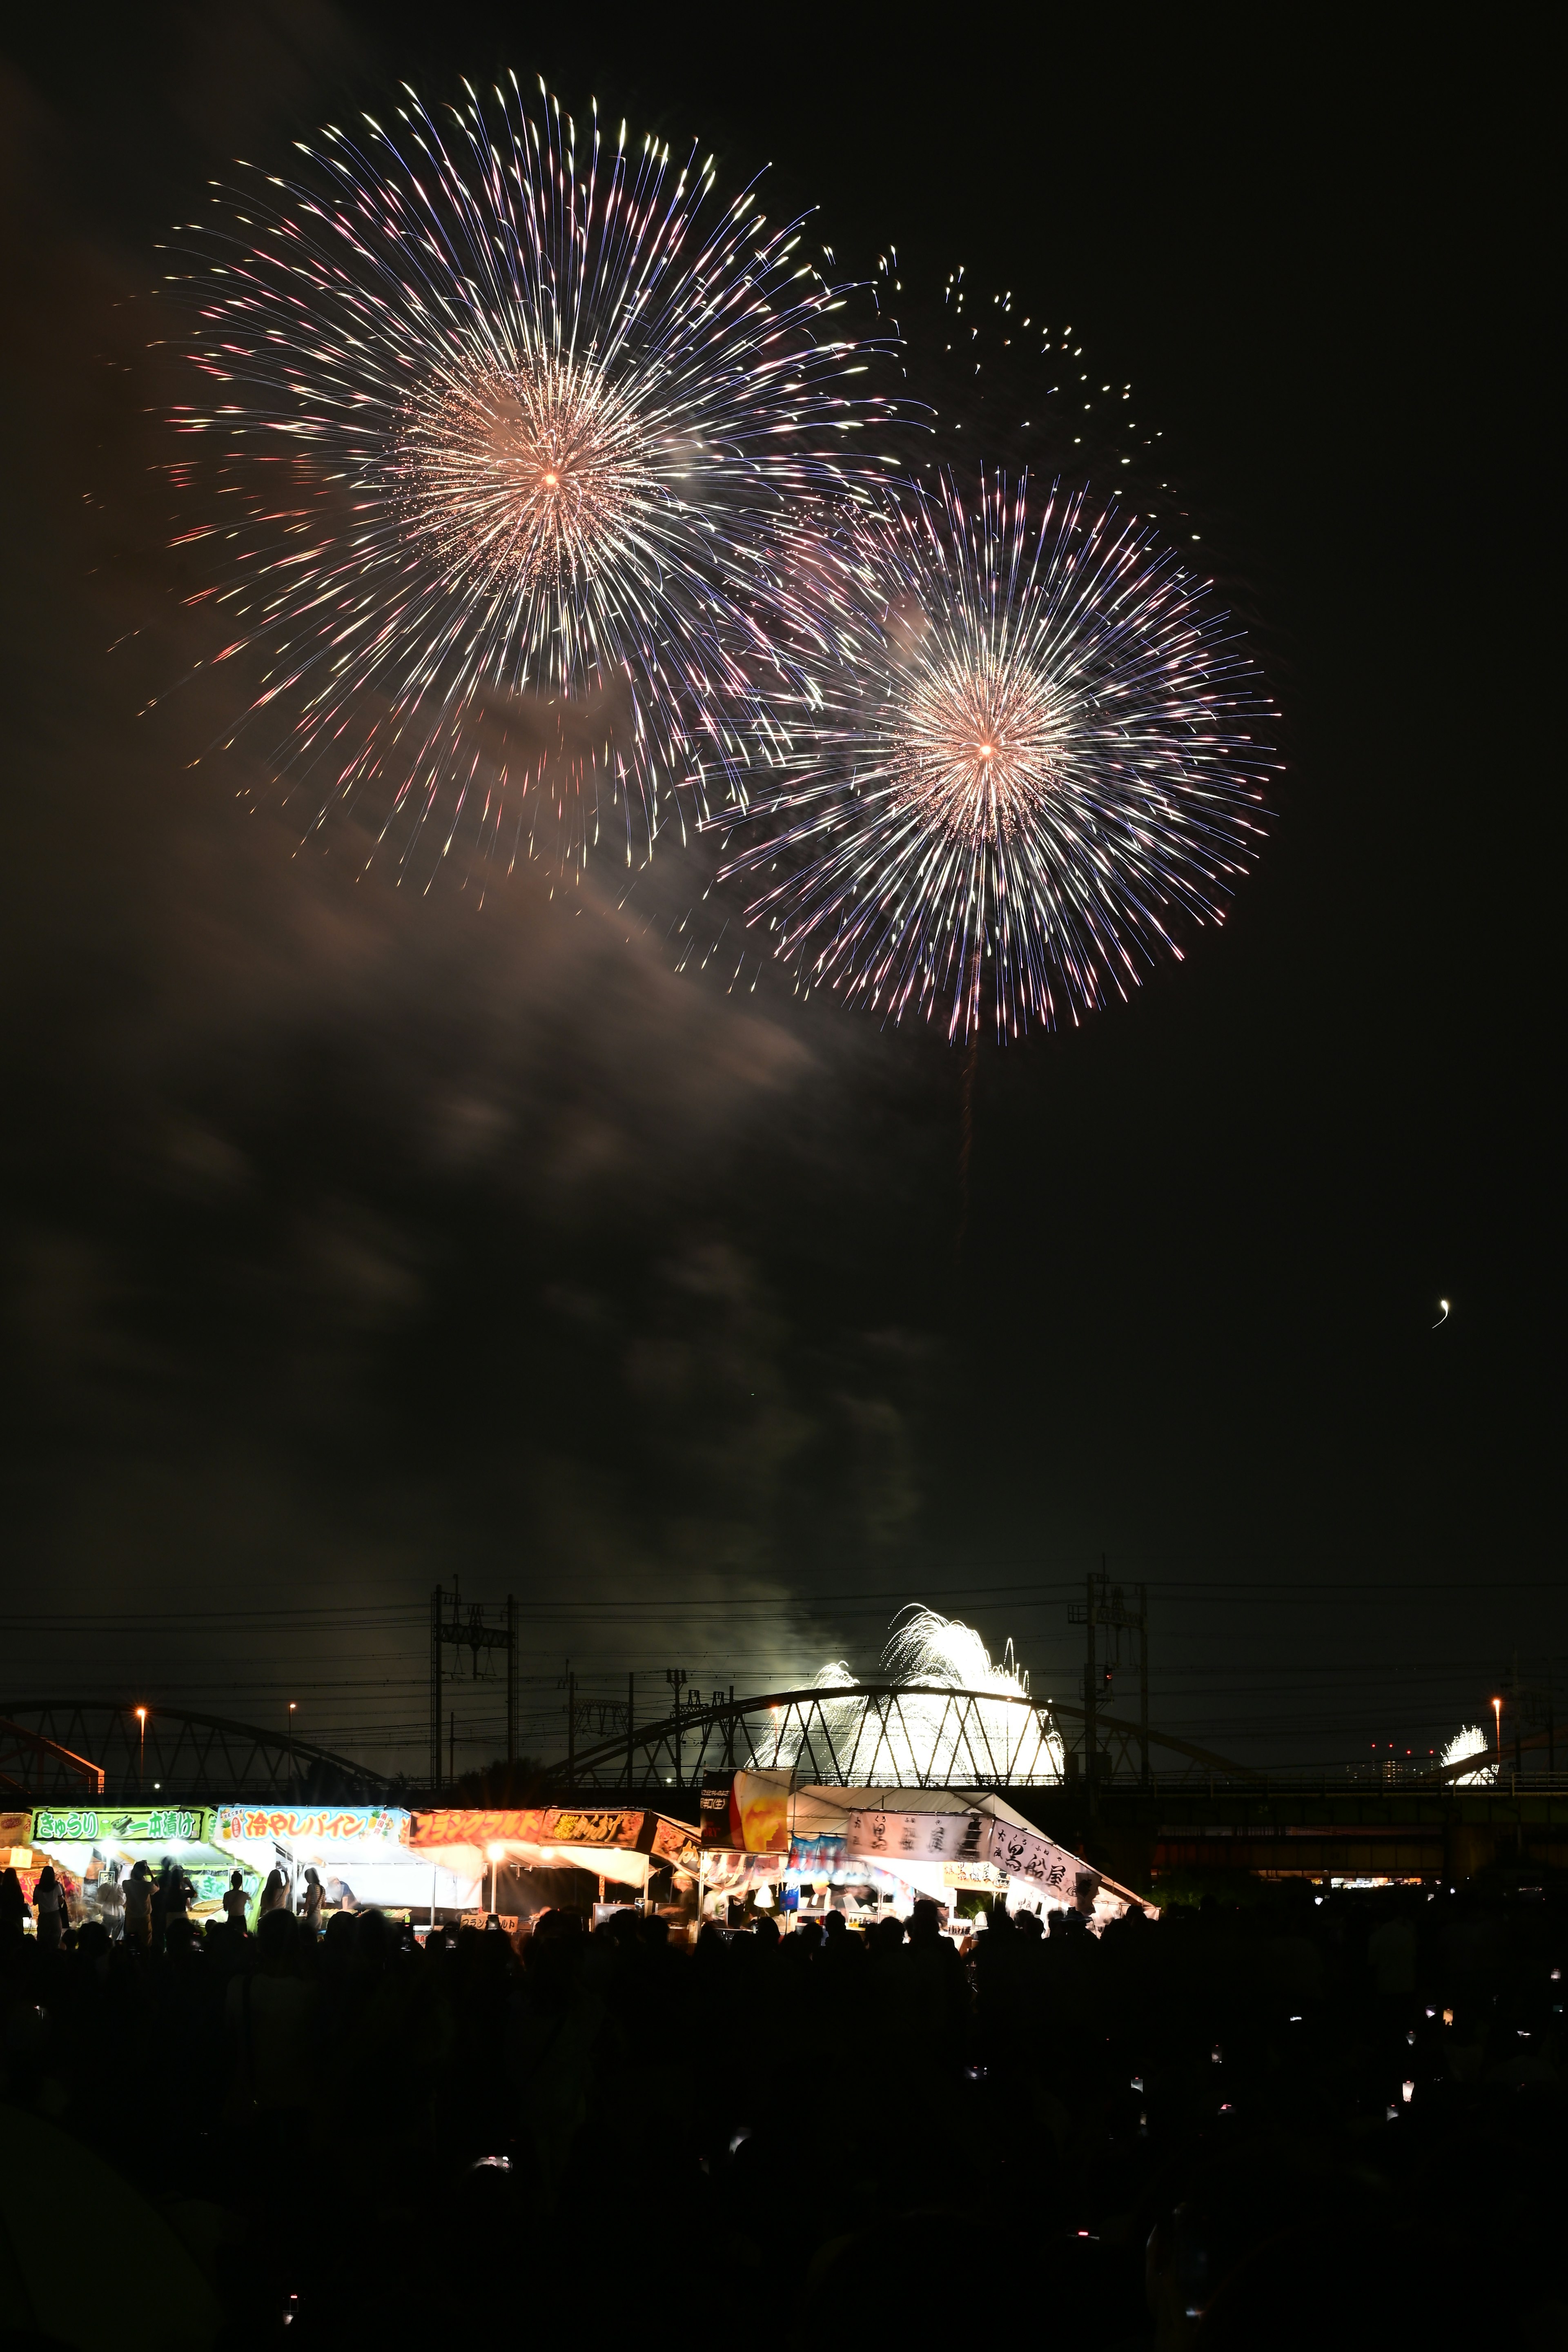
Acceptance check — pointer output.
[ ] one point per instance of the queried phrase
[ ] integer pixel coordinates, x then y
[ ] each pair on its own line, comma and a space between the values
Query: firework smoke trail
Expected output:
502, 416
1033, 763
927, 1738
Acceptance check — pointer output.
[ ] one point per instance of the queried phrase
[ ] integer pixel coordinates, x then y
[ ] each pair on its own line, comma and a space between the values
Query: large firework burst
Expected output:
504, 416
1033, 763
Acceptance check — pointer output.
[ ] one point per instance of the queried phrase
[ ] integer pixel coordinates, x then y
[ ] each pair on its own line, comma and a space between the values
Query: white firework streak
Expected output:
506, 417
1033, 760
926, 1740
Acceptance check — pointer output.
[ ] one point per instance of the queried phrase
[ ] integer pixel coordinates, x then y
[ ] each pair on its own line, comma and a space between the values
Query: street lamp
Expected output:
497, 1853
142, 1750
291, 1706
1496, 1710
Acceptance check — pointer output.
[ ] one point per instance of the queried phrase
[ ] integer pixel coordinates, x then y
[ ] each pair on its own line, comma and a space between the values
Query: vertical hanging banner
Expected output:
721, 1824
746, 1812
760, 1804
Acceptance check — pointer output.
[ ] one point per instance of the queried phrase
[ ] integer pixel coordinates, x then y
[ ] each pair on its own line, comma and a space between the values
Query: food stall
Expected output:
514, 1850
866, 1851
94, 1847
364, 1856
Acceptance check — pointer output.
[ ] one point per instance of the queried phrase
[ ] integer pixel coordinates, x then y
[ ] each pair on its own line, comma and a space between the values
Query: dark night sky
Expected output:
354, 1239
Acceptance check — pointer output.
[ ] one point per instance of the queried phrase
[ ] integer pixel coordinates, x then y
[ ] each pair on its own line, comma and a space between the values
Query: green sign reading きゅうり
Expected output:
120, 1825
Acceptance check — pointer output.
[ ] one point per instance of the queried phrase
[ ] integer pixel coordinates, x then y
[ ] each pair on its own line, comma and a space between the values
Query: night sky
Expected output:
355, 1239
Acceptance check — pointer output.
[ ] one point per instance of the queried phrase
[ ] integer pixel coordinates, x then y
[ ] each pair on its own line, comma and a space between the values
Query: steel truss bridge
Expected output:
73, 1747
870, 1735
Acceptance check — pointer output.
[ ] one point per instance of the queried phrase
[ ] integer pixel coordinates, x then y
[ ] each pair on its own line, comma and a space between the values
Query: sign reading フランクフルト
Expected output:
121, 1824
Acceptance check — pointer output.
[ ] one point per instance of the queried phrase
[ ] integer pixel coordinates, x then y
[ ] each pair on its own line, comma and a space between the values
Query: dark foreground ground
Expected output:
1335, 2122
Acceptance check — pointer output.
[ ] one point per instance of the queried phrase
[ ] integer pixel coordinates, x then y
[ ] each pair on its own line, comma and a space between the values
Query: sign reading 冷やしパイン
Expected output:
123, 1824
326, 1823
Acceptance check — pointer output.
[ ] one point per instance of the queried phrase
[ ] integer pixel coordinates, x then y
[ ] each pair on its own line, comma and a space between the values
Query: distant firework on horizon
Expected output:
1033, 762
502, 421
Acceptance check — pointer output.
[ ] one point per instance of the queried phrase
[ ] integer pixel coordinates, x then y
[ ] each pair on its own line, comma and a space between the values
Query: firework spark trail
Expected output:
1033, 762
504, 417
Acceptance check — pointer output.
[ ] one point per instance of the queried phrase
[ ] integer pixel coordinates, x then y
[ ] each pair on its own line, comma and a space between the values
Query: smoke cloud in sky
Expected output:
360, 1236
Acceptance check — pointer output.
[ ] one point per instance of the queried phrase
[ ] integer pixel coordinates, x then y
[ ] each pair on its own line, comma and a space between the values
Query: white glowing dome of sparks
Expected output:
1471, 1741
927, 1740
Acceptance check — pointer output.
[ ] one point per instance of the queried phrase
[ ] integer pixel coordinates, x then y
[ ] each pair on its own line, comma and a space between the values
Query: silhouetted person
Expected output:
310, 1903
12, 1904
49, 1903
236, 1904
139, 1907
111, 1903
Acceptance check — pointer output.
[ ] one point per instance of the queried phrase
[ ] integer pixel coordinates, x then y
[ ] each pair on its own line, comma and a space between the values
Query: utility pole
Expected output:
511, 1678
631, 1745
1518, 1722
571, 1727
1143, 1686
487, 1627
435, 1691
1090, 1691
676, 1676
1105, 1604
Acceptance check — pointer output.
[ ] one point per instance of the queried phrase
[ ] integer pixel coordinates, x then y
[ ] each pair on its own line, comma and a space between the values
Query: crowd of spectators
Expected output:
1326, 2118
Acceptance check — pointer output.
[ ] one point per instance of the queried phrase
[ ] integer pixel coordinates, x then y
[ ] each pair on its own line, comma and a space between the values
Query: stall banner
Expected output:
540, 1825
760, 1803
919, 1837
569, 1828
746, 1812
17, 1840
817, 1857
674, 1842
716, 1812
1023, 1854
307, 1826
124, 1824
974, 1877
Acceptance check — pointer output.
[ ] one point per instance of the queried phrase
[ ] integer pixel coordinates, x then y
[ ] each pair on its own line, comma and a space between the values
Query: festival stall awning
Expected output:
936, 1840
618, 1842
364, 1854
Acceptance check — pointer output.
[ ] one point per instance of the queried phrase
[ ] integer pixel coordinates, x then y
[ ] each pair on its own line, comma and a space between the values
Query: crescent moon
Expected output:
1444, 1317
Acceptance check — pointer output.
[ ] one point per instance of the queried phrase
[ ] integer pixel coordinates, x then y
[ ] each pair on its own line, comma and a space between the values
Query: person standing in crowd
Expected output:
12, 1904
48, 1901
274, 1896
310, 1902
178, 1893
160, 1903
139, 1907
111, 1903
234, 1903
